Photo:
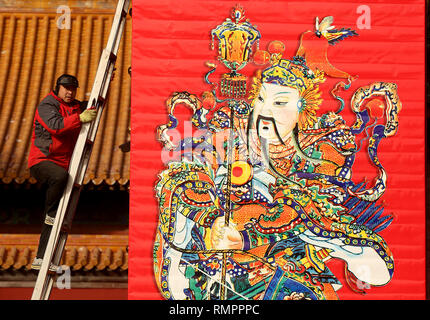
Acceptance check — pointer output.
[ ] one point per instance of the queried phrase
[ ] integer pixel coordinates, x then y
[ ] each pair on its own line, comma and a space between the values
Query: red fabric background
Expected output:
171, 43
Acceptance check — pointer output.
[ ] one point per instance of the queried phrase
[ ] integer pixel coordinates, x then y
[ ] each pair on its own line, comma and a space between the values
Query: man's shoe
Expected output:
37, 264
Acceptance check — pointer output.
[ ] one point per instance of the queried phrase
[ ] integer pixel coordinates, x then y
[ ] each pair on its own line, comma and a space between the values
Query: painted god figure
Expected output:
256, 204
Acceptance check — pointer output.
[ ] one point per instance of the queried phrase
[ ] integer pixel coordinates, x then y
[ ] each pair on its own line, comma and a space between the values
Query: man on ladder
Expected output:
57, 123
80, 156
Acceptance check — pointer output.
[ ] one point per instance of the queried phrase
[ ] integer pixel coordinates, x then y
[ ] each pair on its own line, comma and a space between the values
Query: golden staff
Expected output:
230, 149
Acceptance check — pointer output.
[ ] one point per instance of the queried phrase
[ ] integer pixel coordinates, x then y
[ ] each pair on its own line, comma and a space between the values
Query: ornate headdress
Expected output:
290, 73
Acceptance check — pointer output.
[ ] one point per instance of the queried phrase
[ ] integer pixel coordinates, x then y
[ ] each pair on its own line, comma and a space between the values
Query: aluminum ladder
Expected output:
80, 157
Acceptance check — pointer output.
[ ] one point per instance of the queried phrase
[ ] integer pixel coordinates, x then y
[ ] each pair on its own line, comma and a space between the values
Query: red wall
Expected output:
170, 46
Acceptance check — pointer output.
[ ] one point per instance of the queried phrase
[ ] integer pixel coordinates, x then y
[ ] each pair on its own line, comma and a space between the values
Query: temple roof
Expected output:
84, 252
34, 51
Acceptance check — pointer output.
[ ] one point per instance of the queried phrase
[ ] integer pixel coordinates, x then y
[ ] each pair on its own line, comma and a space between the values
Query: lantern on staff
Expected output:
236, 36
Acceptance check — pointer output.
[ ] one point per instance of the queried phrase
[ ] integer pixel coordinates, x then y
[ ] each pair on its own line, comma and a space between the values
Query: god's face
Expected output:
276, 112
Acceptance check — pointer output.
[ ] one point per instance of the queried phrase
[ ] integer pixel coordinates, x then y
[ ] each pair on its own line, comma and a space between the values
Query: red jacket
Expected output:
56, 128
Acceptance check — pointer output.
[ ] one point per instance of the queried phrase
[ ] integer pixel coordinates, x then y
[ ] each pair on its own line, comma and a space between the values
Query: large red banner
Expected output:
171, 45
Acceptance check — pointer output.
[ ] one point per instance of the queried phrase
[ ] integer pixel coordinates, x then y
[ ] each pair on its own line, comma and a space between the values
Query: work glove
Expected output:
88, 115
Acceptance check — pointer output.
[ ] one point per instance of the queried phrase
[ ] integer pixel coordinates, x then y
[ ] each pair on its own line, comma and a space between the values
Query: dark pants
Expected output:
55, 178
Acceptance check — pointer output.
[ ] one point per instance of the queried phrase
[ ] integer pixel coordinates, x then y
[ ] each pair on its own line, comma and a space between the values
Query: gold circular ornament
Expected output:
241, 172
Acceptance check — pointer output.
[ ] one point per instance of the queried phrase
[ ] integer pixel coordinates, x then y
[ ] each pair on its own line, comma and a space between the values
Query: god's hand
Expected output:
225, 237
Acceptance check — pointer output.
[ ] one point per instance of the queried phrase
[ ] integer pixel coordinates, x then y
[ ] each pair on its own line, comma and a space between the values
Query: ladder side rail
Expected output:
101, 104
58, 253
121, 27
120, 14
47, 292
77, 152
116, 20
101, 83
112, 60
83, 165
108, 76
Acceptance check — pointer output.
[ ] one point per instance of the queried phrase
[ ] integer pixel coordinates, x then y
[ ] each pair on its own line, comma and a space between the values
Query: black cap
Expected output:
67, 80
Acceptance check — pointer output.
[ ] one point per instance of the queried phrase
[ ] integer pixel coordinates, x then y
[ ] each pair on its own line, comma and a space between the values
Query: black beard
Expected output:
249, 127
271, 119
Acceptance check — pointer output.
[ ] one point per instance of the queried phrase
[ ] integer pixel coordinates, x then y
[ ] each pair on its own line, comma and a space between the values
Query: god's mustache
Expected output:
257, 124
